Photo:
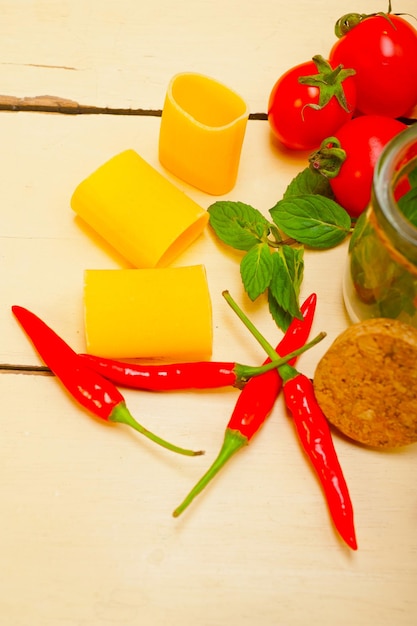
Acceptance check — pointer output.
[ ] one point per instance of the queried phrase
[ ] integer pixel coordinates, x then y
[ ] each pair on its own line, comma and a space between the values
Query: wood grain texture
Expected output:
87, 534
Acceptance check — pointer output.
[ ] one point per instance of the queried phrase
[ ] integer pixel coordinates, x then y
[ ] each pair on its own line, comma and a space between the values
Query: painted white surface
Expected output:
87, 534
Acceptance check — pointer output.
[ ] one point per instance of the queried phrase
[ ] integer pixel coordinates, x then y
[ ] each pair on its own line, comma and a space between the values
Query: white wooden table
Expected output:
87, 536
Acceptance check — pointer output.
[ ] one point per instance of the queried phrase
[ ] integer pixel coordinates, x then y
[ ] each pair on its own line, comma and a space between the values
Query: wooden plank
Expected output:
87, 528
87, 533
122, 55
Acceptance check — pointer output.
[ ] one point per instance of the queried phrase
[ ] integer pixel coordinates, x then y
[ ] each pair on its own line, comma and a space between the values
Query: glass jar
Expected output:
381, 273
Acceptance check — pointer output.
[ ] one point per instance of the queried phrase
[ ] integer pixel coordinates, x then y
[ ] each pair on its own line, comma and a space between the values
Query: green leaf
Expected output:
396, 300
256, 270
408, 205
308, 182
313, 220
286, 279
412, 177
408, 202
360, 226
237, 224
295, 263
281, 317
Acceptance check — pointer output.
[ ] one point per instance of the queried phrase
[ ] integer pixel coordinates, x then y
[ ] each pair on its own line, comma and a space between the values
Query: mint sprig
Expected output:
273, 261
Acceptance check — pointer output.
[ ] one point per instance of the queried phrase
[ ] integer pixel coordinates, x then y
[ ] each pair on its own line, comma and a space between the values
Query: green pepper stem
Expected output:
269, 349
244, 372
233, 441
122, 415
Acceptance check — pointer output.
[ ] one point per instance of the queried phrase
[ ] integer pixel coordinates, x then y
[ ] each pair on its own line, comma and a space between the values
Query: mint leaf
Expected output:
408, 205
412, 177
295, 263
309, 182
287, 276
237, 224
360, 227
408, 202
256, 270
313, 220
399, 297
281, 317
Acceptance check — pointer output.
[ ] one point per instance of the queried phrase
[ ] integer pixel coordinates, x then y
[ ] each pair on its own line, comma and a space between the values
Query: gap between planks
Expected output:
55, 104
10, 368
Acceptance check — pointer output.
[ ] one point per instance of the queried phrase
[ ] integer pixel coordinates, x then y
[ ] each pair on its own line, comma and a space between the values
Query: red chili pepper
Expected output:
255, 401
175, 376
169, 377
316, 439
314, 433
94, 392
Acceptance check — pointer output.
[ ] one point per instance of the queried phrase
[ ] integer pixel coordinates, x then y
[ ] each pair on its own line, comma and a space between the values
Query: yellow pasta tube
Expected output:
135, 313
138, 211
202, 129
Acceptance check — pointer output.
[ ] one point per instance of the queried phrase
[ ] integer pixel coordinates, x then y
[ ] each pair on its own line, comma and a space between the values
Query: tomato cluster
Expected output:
357, 95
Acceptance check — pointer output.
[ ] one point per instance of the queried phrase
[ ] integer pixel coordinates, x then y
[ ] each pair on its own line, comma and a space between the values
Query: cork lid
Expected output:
366, 383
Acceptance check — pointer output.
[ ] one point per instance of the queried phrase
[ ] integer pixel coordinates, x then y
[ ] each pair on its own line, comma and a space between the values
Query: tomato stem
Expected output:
329, 158
348, 21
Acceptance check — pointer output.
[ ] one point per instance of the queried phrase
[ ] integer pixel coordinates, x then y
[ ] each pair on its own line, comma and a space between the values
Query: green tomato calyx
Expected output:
328, 159
348, 21
329, 82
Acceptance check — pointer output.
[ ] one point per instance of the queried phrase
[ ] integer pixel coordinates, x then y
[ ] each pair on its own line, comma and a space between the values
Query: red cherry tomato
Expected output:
297, 124
363, 140
383, 51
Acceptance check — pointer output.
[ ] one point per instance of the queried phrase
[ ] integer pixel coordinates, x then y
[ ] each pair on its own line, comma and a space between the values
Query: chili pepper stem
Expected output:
269, 349
287, 371
244, 372
122, 415
233, 441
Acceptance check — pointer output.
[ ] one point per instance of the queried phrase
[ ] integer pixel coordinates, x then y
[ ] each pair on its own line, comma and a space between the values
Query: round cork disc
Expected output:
366, 383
